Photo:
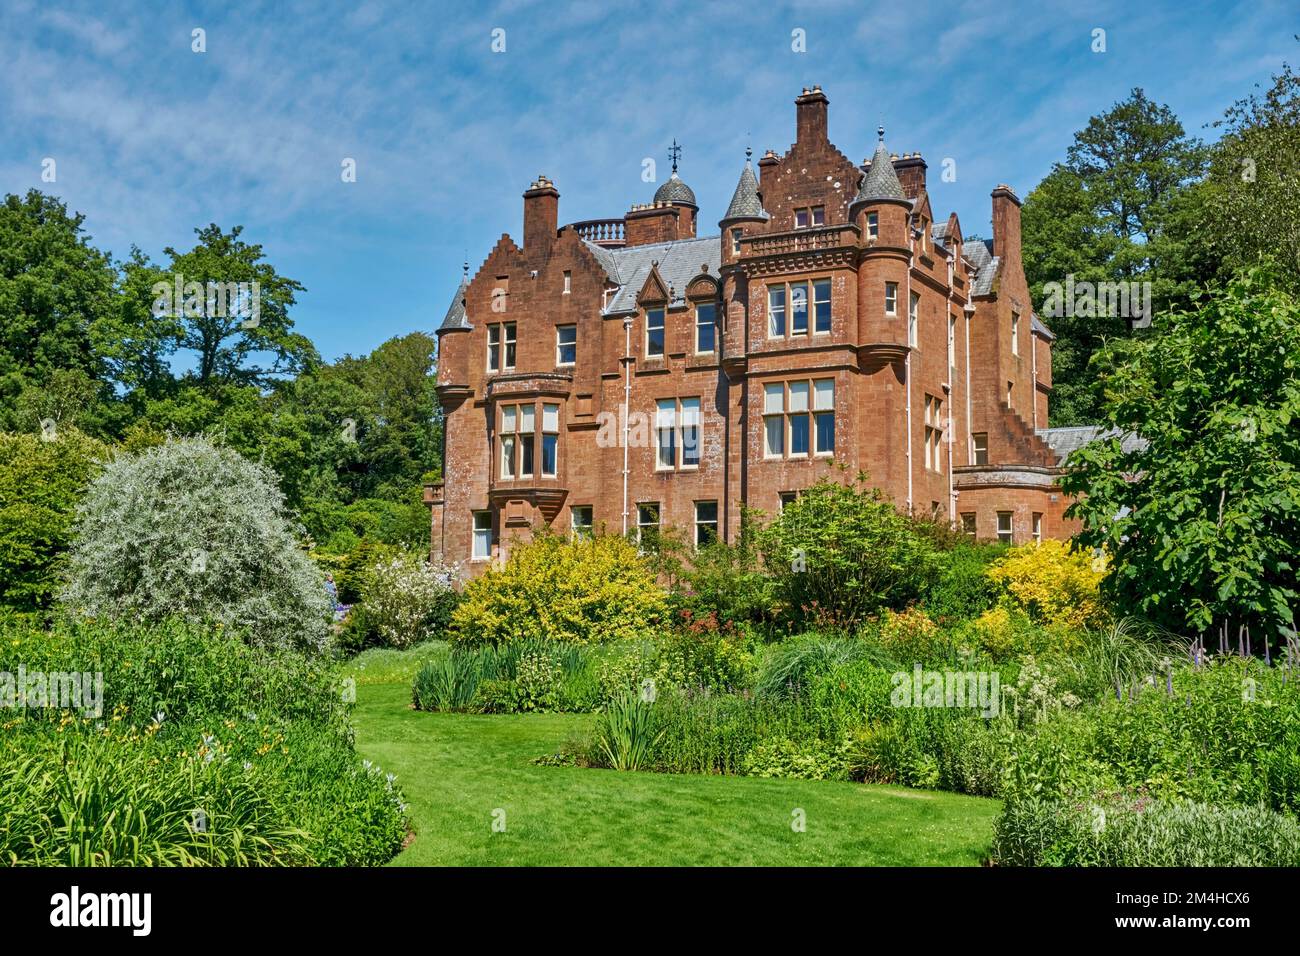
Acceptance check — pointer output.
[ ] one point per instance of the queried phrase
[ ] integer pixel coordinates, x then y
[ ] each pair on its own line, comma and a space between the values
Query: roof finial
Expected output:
674, 151
880, 131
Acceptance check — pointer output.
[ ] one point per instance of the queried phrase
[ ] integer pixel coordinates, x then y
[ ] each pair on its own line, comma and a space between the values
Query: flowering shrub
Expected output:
584, 591
406, 599
910, 636
188, 529
1052, 584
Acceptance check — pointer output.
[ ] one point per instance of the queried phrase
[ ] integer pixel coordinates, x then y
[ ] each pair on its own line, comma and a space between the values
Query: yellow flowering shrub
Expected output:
909, 635
1052, 584
584, 591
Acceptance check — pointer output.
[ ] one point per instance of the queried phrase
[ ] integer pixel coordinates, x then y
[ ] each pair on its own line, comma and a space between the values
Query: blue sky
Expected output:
152, 139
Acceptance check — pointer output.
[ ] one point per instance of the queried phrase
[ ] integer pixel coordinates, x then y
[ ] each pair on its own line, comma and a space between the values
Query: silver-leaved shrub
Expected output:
192, 530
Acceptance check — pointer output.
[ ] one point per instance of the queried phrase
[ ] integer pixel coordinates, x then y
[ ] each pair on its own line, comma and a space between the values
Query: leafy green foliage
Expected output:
842, 552
1104, 215
1248, 207
41, 482
627, 733
1228, 733
1139, 832
55, 293
208, 752
1202, 523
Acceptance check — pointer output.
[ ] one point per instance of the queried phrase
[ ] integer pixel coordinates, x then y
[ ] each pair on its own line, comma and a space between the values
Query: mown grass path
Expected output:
457, 771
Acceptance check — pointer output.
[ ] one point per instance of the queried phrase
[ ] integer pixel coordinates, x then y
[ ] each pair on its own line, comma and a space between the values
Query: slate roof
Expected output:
980, 256
1040, 328
1066, 441
679, 263
675, 191
880, 181
456, 317
745, 203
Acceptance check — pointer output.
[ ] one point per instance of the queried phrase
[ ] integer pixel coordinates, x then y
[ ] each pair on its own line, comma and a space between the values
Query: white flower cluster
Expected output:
403, 594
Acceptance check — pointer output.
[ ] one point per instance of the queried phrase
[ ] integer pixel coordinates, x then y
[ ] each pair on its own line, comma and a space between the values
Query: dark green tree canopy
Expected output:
1203, 523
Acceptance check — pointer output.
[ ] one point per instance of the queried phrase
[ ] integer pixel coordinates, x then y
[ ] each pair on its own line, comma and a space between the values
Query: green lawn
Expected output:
456, 770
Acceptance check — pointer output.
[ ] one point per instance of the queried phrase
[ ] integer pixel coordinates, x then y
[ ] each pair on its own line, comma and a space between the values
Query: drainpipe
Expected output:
907, 370
1033, 347
968, 312
627, 406
952, 498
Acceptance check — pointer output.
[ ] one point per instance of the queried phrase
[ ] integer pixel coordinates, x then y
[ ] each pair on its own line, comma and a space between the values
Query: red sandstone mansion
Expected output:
627, 373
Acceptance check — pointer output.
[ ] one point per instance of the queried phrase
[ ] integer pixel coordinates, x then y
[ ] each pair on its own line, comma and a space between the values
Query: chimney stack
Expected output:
541, 216
810, 117
1006, 223
911, 174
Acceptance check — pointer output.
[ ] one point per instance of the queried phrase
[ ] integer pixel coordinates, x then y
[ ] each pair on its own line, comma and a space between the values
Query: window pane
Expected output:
776, 310
526, 468
704, 328
798, 396
566, 337
527, 418
655, 332
706, 522
509, 418
824, 394
798, 434
510, 354
690, 431
822, 304
800, 218
508, 456
549, 447
774, 435
799, 308
550, 417
665, 413
825, 431
665, 420
818, 215
773, 398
